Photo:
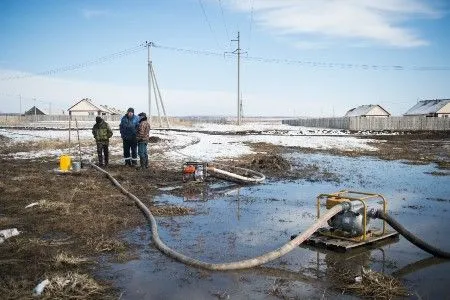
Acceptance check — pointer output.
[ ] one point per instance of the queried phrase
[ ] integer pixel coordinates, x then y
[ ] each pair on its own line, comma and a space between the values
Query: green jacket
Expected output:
102, 132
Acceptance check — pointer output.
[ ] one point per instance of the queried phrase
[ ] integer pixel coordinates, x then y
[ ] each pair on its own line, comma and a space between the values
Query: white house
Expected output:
86, 107
367, 111
431, 108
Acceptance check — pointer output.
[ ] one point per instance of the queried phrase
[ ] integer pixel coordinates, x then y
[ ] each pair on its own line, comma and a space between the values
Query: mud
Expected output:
78, 215
86, 218
413, 148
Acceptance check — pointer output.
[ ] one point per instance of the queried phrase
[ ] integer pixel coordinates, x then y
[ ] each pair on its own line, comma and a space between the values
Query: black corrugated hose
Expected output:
408, 235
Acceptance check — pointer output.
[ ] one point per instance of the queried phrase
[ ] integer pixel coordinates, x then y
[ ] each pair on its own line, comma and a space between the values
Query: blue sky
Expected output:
38, 36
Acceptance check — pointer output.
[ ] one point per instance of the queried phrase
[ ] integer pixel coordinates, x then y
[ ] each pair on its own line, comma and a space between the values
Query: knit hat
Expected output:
130, 110
142, 115
98, 119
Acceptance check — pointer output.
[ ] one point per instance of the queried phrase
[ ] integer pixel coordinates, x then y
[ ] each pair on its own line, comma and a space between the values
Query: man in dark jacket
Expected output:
128, 127
142, 138
102, 133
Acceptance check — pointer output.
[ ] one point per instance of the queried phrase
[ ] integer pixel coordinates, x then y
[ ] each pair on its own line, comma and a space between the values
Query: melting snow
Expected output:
192, 144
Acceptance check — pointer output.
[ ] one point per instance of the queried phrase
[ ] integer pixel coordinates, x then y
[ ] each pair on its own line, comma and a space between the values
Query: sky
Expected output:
316, 58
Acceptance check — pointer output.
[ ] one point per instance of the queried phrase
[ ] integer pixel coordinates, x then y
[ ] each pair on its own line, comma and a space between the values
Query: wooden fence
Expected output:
376, 123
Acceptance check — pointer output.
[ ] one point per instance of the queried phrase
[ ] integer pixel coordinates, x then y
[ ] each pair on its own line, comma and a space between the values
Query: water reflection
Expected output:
207, 193
236, 222
419, 265
331, 265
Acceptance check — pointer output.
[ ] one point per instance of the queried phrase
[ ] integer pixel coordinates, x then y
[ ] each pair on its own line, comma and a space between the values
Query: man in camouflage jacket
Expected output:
102, 132
142, 136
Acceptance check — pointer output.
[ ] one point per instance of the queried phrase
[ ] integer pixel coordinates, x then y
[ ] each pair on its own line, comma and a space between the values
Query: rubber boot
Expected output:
100, 160
106, 158
141, 164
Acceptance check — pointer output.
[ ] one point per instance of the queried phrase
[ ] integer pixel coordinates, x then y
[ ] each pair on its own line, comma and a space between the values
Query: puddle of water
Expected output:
238, 223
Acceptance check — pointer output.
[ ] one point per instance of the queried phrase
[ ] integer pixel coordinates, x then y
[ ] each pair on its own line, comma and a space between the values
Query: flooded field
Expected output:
83, 224
233, 223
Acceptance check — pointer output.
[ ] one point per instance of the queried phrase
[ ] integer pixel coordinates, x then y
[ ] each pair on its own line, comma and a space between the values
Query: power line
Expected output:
189, 51
223, 19
251, 24
304, 63
207, 21
82, 65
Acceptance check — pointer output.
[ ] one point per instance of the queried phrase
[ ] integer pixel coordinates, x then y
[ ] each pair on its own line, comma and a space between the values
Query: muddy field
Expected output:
93, 242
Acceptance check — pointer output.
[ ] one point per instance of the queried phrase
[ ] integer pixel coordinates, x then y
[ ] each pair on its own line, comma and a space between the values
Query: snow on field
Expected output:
211, 147
203, 146
266, 128
37, 135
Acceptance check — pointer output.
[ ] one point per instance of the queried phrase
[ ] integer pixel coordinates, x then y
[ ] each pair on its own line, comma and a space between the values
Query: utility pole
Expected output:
153, 83
239, 102
150, 81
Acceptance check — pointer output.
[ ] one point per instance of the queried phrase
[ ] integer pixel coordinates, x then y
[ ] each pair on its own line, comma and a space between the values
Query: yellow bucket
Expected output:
65, 162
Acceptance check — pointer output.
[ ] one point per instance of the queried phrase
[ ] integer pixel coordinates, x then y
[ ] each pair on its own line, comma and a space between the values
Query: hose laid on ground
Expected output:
243, 264
408, 235
238, 178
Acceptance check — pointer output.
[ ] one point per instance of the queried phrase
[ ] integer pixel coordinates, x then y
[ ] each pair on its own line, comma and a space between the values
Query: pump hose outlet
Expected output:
379, 214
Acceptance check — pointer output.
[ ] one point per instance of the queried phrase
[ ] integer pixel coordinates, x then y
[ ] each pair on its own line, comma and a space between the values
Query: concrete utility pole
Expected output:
150, 81
239, 102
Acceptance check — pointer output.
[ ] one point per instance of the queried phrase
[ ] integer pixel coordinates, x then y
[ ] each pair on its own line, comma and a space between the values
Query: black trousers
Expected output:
127, 146
102, 152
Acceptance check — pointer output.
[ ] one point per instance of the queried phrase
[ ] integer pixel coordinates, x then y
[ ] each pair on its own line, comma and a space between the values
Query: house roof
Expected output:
363, 110
89, 101
107, 109
32, 111
112, 110
426, 107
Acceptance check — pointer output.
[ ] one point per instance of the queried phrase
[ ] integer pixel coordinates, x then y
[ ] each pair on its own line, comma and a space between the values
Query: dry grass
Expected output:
373, 285
105, 244
75, 218
170, 210
62, 207
6, 222
73, 285
17, 288
63, 258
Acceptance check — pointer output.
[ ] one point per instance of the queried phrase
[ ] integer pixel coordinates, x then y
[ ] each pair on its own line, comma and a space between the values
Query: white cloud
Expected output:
63, 93
92, 13
375, 21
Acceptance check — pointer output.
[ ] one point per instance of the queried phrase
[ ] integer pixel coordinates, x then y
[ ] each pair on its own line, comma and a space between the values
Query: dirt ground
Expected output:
413, 148
76, 222
78, 217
